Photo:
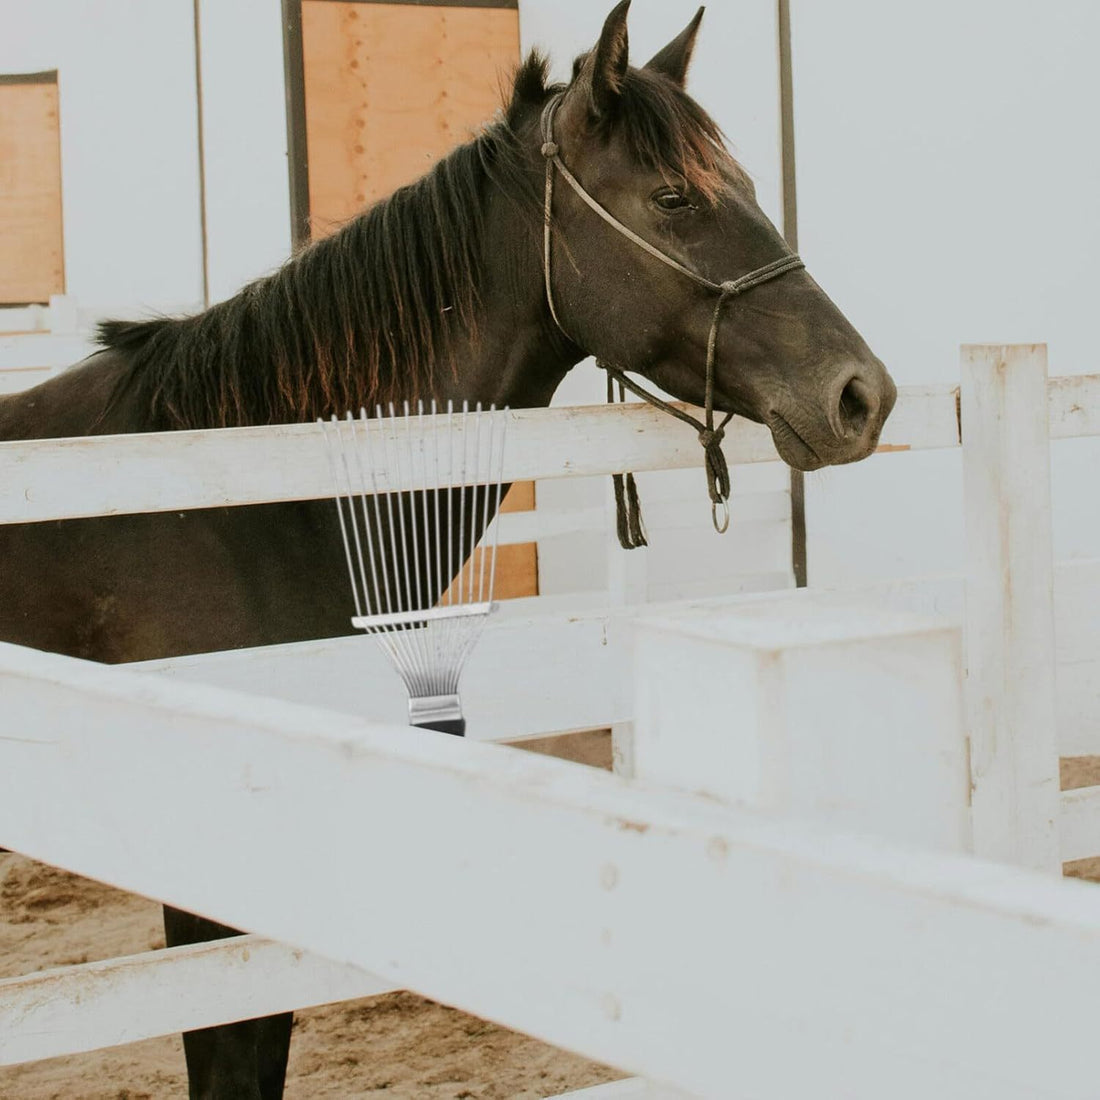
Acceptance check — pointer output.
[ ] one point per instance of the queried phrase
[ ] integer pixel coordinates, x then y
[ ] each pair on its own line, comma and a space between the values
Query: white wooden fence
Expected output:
678, 937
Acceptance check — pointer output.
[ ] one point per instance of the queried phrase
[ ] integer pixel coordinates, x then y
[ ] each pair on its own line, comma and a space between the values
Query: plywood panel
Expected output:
390, 88
516, 575
520, 498
32, 265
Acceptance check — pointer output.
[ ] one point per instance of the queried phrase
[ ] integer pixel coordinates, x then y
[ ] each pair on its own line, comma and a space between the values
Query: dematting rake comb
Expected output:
420, 582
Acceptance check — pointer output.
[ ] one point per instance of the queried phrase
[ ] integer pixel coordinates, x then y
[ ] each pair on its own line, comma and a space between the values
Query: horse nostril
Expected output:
858, 405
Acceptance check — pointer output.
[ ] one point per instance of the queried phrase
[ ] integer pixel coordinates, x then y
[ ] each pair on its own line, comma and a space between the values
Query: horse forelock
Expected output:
669, 132
664, 129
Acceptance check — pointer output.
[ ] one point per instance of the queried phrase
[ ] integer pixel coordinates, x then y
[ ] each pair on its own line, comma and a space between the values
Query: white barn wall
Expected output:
946, 178
244, 141
129, 148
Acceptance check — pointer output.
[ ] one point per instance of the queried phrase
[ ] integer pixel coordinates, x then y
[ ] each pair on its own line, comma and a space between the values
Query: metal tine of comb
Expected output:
341, 490
483, 483
406, 510
380, 602
426, 604
500, 490
413, 664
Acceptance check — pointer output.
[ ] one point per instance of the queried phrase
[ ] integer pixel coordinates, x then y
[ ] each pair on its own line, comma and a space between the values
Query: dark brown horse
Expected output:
436, 291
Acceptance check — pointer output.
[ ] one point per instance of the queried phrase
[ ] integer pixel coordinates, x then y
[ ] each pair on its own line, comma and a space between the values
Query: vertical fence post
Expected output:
627, 586
1009, 604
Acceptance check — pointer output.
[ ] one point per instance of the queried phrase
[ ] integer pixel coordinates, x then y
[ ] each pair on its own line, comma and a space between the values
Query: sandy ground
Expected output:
399, 1046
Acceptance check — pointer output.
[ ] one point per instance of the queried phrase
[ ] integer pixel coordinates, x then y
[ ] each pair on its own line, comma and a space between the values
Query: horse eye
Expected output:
672, 200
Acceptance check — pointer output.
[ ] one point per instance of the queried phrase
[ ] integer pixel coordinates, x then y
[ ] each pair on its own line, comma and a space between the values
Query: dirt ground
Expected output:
399, 1046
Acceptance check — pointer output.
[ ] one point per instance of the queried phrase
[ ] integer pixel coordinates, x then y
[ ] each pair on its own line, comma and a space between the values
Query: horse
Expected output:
477, 282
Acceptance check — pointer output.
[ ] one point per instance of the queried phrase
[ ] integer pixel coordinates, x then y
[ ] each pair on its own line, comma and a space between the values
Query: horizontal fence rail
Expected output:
168, 471
113, 475
581, 864
73, 1009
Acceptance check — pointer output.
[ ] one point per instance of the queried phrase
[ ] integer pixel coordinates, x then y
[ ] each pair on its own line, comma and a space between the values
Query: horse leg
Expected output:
242, 1061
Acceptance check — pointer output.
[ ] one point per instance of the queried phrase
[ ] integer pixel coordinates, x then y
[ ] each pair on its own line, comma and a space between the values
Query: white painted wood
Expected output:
537, 670
755, 509
924, 418
1077, 637
824, 708
42, 349
600, 869
51, 479
16, 380
73, 1009
1079, 708
62, 317
162, 472
1074, 406
513, 679
1009, 605
1079, 824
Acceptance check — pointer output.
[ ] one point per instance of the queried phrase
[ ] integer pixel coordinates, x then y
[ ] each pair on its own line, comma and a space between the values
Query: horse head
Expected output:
659, 260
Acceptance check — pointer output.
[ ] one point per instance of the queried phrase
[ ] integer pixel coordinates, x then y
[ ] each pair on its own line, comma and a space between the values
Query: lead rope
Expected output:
631, 530
628, 508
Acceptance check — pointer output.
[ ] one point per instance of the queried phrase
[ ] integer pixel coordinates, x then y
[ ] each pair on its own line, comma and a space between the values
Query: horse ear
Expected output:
675, 58
604, 69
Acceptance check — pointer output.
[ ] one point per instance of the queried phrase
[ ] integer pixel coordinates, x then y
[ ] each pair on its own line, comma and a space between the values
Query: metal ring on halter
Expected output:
725, 524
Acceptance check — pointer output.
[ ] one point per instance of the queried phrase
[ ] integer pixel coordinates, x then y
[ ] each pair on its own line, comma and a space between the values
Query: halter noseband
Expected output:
717, 470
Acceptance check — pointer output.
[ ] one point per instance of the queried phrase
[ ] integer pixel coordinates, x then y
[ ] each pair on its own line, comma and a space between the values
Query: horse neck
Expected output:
518, 357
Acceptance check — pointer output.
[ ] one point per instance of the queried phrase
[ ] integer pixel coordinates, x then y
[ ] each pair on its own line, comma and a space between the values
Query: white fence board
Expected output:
1079, 824
895, 765
79, 1008
536, 670
513, 681
1074, 404
53, 479
925, 417
17, 379
110, 475
1011, 695
579, 862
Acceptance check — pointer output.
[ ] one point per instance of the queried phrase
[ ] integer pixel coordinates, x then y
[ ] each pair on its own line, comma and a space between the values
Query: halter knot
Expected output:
710, 437
549, 149
730, 287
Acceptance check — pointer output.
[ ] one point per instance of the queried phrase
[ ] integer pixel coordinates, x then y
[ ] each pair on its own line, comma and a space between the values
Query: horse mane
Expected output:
369, 314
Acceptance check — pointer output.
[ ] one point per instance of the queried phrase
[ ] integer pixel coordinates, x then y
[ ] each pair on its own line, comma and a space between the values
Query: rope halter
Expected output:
631, 533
